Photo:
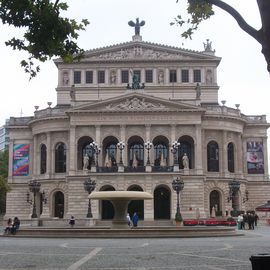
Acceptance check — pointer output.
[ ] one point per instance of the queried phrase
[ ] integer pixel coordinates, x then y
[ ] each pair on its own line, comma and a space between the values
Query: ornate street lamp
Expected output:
234, 187
121, 146
148, 145
96, 150
34, 186
245, 199
89, 186
177, 186
174, 149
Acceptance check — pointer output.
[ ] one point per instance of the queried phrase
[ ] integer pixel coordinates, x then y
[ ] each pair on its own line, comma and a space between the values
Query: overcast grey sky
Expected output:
242, 74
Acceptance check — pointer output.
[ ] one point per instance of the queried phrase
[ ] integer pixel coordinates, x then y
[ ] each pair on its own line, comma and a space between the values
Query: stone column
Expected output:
224, 159
10, 161
98, 142
35, 157
72, 151
239, 155
173, 131
148, 138
49, 158
265, 157
198, 150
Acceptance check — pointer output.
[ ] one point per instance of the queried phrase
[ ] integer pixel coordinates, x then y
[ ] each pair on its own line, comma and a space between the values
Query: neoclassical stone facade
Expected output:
175, 101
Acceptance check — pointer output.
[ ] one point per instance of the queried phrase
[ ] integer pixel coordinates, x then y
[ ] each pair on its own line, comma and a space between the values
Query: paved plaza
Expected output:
217, 253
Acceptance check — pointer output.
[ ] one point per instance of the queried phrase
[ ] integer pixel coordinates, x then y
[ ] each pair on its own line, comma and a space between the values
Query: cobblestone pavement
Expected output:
216, 253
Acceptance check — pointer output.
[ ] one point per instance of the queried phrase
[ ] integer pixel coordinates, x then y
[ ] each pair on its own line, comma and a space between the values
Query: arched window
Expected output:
161, 151
230, 152
60, 158
162, 205
215, 202
186, 147
43, 159
136, 205
136, 152
107, 209
110, 151
59, 204
212, 157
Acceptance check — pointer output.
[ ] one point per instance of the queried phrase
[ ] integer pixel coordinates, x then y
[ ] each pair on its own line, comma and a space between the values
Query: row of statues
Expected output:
110, 161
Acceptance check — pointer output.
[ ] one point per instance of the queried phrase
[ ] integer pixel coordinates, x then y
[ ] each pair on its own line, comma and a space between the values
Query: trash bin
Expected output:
260, 261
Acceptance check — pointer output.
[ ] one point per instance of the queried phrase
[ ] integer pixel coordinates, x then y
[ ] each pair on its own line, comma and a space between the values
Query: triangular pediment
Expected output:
135, 102
140, 50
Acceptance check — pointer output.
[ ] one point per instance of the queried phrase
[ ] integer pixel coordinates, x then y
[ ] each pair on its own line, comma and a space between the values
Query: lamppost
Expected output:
89, 186
178, 185
148, 145
245, 199
96, 150
234, 187
34, 186
121, 146
174, 149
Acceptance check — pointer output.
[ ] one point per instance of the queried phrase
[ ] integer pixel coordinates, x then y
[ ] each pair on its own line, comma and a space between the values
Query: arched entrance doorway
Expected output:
136, 206
162, 203
59, 204
215, 202
107, 209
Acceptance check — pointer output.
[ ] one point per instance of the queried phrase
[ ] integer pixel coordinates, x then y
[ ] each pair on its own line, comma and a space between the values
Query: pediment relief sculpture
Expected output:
135, 104
139, 52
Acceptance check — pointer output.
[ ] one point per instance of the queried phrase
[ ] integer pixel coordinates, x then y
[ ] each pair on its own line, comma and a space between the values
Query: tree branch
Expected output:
236, 15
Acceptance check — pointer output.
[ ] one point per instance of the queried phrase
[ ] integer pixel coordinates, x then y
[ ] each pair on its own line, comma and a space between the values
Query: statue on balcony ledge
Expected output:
185, 161
85, 162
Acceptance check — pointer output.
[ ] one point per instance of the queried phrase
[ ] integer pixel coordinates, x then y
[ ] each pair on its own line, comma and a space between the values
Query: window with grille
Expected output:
101, 76
77, 77
149, 76
89, 76
185, 75
173, 76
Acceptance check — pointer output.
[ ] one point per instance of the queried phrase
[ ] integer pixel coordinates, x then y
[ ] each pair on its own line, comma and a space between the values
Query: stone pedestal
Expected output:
35, 222
176, 168
90, 222
186, 171
94, 169
121, 168
148, 168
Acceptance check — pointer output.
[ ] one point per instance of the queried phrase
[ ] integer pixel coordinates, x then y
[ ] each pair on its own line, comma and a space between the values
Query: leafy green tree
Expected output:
4, 187
200, 10
46, 34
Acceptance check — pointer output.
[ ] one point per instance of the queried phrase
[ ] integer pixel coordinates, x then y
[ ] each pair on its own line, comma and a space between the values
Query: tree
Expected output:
4, 187
46, 34
200, 10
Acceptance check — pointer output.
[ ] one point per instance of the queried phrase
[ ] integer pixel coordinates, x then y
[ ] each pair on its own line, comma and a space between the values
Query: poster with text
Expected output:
21, 159
255, 162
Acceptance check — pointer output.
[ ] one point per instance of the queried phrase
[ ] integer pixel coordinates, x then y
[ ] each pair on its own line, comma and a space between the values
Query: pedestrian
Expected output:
135, 219
128, 219
256, 217
15, 225
72, 221
9, 226
240, 222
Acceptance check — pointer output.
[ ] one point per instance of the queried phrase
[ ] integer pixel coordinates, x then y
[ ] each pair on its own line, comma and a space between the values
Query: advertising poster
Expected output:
255, 162
21, 159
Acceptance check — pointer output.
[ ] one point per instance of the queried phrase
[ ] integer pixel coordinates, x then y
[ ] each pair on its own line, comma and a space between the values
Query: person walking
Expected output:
128, 220
72, 221
135, 219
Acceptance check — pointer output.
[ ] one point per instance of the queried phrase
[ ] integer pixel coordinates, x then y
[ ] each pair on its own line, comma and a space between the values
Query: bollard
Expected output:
260, 261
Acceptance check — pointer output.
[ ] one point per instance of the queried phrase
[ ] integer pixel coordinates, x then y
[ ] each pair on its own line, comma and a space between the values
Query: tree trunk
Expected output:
264, 8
